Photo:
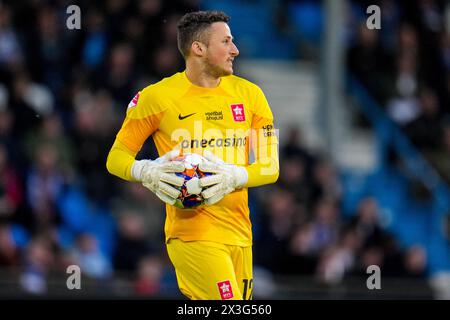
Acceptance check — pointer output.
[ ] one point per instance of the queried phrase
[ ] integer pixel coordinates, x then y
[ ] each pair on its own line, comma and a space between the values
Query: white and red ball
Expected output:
190, 190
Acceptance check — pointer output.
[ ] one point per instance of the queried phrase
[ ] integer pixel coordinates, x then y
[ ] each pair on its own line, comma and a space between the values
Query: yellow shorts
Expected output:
212, 271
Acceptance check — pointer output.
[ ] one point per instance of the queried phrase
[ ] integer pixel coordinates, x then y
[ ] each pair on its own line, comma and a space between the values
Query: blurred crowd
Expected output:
406, 66
302, 230
300, 224
63, 95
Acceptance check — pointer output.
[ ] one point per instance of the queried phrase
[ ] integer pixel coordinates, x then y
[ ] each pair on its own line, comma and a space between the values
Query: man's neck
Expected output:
200, 77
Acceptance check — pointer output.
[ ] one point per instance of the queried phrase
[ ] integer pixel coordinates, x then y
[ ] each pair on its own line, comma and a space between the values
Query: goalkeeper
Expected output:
209, 111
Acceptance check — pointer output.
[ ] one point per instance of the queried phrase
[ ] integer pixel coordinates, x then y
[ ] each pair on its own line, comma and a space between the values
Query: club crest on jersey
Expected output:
225, 290
134, 101
238, 112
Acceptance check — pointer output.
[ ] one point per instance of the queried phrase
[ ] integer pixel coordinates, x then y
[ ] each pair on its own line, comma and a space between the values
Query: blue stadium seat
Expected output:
80, 215
308, 18
252, 25
20, 235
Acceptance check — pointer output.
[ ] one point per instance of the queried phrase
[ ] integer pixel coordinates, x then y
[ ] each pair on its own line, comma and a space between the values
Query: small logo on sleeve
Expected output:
238, 112
225, 290
134, 101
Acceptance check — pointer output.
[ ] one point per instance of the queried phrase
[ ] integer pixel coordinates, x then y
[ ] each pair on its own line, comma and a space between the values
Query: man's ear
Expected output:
198, 48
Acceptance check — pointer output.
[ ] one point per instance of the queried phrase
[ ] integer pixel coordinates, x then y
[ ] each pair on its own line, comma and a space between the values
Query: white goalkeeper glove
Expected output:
225, 178
159, 176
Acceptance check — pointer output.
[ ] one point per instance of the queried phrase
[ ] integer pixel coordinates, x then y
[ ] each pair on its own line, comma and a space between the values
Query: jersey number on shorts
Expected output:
248, 289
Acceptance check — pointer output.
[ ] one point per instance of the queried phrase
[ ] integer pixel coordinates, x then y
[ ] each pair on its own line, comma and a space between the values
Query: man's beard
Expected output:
217, 71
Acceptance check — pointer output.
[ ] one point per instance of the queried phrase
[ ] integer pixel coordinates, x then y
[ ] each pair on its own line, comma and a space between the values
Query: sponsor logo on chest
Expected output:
238, 112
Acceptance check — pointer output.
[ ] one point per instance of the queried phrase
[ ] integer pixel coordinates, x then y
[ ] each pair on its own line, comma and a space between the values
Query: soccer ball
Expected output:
190, 190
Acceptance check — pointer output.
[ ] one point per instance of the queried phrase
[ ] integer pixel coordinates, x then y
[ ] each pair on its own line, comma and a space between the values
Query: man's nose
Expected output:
234, 50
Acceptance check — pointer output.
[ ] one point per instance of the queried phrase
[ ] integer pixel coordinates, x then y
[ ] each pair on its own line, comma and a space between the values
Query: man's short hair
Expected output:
193, 26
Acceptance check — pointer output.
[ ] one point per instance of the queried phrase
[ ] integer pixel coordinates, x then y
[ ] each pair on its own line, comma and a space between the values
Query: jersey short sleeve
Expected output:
142, 119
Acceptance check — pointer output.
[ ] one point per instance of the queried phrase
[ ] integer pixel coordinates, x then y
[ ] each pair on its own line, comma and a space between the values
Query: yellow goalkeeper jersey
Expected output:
230, 120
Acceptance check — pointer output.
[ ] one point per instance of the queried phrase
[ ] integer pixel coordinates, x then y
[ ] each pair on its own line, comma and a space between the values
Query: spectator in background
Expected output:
280, 217
366, 60
366, 223
132, 244
96, 42
392, 256
51, 132
90, 259
10, 254
118, 74
325, 224
303, 257
369, 257
426, 131
444, 61
293, 178
295, 148
444, 45
408, 41
403, 106
441, 157
149, 276
390, 15
94, 120
6, 123
136, 200
325, 182
50, 49
11, 191
151, 12
10, 48
39, 260
165, 61
27, 105
339, 261
415, 262
44, 184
